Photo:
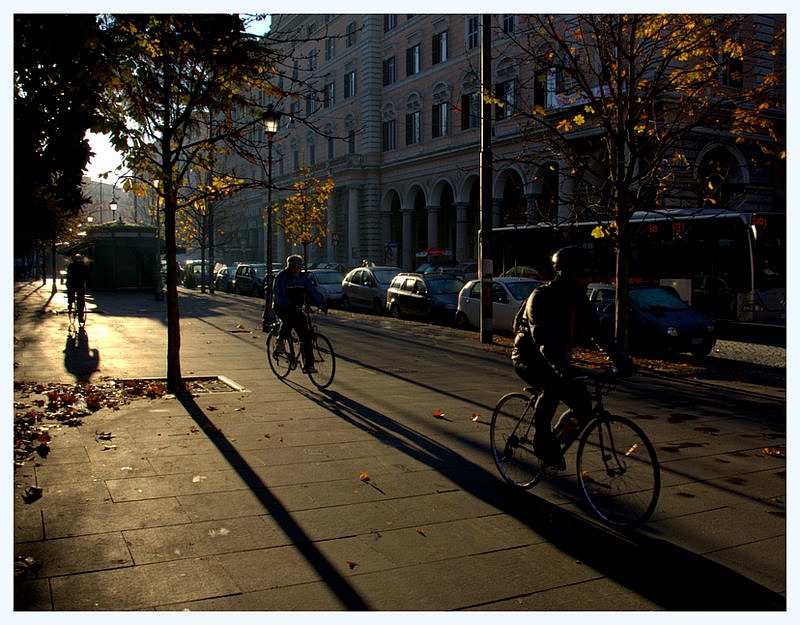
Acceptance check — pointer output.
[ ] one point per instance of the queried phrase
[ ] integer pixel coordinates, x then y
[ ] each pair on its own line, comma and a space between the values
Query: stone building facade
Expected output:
392, 114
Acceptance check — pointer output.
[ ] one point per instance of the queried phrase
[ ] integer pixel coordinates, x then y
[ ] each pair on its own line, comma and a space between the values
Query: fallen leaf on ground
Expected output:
420, 532
364, 477
352, 564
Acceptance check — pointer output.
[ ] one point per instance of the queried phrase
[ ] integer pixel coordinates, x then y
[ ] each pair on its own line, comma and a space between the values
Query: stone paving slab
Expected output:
254, 500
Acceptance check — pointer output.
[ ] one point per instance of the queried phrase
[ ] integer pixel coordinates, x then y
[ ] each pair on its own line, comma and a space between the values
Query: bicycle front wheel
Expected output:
618, 471
324, 362
281, 362
511, 435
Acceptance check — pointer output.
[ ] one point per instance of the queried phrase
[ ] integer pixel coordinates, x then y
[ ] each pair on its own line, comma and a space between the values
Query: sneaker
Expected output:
310, 369
280, 348
547, 449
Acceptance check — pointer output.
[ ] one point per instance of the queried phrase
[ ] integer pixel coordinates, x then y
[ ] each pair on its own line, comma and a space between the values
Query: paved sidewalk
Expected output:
256, 496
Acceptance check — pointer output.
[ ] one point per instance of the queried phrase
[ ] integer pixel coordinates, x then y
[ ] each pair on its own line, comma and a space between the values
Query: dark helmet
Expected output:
570, 260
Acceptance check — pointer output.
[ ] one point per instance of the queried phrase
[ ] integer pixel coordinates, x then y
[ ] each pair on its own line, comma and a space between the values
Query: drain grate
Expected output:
213, 384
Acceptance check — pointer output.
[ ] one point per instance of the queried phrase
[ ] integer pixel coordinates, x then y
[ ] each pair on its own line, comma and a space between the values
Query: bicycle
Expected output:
616, 464
283, 362
76, 310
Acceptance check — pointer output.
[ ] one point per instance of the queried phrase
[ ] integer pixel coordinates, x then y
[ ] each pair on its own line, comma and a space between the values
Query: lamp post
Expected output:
113, 206
270, 118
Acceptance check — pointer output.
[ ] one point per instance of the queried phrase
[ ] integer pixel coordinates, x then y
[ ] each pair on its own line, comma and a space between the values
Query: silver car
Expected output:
365, 287
507, 295
329, 283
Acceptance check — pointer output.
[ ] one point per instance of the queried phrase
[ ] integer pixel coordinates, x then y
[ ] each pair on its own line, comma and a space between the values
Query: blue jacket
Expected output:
290, 291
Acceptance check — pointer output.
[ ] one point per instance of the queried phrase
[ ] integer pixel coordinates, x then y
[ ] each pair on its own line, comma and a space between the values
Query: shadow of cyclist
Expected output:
79, 359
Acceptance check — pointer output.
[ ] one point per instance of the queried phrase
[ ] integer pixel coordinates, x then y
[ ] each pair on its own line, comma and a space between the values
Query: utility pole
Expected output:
485, 233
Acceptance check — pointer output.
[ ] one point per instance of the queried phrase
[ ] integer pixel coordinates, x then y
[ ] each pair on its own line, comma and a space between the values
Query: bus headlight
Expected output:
672, 331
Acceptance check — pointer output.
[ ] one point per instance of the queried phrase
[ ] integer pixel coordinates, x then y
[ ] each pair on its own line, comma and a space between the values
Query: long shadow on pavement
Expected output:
663, 572
351, 600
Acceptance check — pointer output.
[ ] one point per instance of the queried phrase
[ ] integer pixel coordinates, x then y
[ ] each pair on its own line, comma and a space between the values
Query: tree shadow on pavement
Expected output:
350, 599
663, 572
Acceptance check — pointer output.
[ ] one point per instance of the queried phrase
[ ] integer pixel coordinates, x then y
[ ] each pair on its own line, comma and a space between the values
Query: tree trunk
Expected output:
175, 382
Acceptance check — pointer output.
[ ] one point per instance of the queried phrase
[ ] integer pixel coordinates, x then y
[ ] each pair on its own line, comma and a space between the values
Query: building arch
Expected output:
721, 174
509, 195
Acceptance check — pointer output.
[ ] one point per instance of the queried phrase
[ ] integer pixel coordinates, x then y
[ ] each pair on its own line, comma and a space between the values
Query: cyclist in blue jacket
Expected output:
291, 288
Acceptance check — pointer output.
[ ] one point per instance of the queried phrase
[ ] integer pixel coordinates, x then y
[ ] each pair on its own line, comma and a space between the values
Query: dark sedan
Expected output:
659, 322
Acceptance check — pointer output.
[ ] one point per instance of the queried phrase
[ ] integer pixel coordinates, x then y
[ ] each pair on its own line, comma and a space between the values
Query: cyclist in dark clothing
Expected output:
546, 328
289, 296
77, 275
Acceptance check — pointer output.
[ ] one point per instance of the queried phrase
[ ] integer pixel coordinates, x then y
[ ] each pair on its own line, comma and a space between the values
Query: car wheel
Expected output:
702, 350
377, 307
345, 303
462, 323
395, 310
236, 290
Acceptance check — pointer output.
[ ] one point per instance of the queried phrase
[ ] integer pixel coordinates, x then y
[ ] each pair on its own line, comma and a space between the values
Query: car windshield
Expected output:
444, 286
656, 300
260, 269
521, 290
384, 276
329, 277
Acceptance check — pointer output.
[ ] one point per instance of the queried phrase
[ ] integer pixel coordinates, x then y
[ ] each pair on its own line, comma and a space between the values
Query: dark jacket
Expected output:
554, 317
77, 275
289, 292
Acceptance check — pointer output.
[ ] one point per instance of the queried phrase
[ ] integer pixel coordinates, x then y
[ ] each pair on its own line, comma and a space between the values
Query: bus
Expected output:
730, 265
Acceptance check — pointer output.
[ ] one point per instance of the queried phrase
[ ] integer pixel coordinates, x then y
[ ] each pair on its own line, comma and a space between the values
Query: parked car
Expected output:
429, 296
365, 287
435, 265
223, 280
249, 279
507, 295
195, 272
329, 283
659, 322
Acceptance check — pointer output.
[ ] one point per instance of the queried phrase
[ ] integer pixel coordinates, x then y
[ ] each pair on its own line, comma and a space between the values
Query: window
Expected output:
330, 48
439, 51
506, 92
413, 60
389, 22
389, 135
470, 110
473, 32
509, 24
350, 35
311, 104
351, 141
331, 148
312, 60
413, 130
732, 68
350, 84
312, 154
389, 71
330, 95
440, 117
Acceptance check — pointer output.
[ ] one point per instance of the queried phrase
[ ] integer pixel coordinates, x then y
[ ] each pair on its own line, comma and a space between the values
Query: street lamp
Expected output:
270, 118
113, 206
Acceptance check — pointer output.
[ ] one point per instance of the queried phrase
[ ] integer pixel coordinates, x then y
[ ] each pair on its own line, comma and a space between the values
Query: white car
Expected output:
507, 295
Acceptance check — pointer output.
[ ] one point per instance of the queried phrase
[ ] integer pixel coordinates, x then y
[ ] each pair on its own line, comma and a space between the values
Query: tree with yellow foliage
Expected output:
303, 215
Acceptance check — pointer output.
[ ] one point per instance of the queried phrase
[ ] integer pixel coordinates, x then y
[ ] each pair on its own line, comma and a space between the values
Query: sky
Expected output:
107, 159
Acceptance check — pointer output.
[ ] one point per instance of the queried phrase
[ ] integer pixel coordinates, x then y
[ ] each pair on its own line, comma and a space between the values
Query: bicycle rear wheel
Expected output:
618, 471
511, 435
324, 362
281, 363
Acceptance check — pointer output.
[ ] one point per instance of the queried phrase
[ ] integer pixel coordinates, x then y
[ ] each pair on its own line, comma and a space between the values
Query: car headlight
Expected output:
672, 331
